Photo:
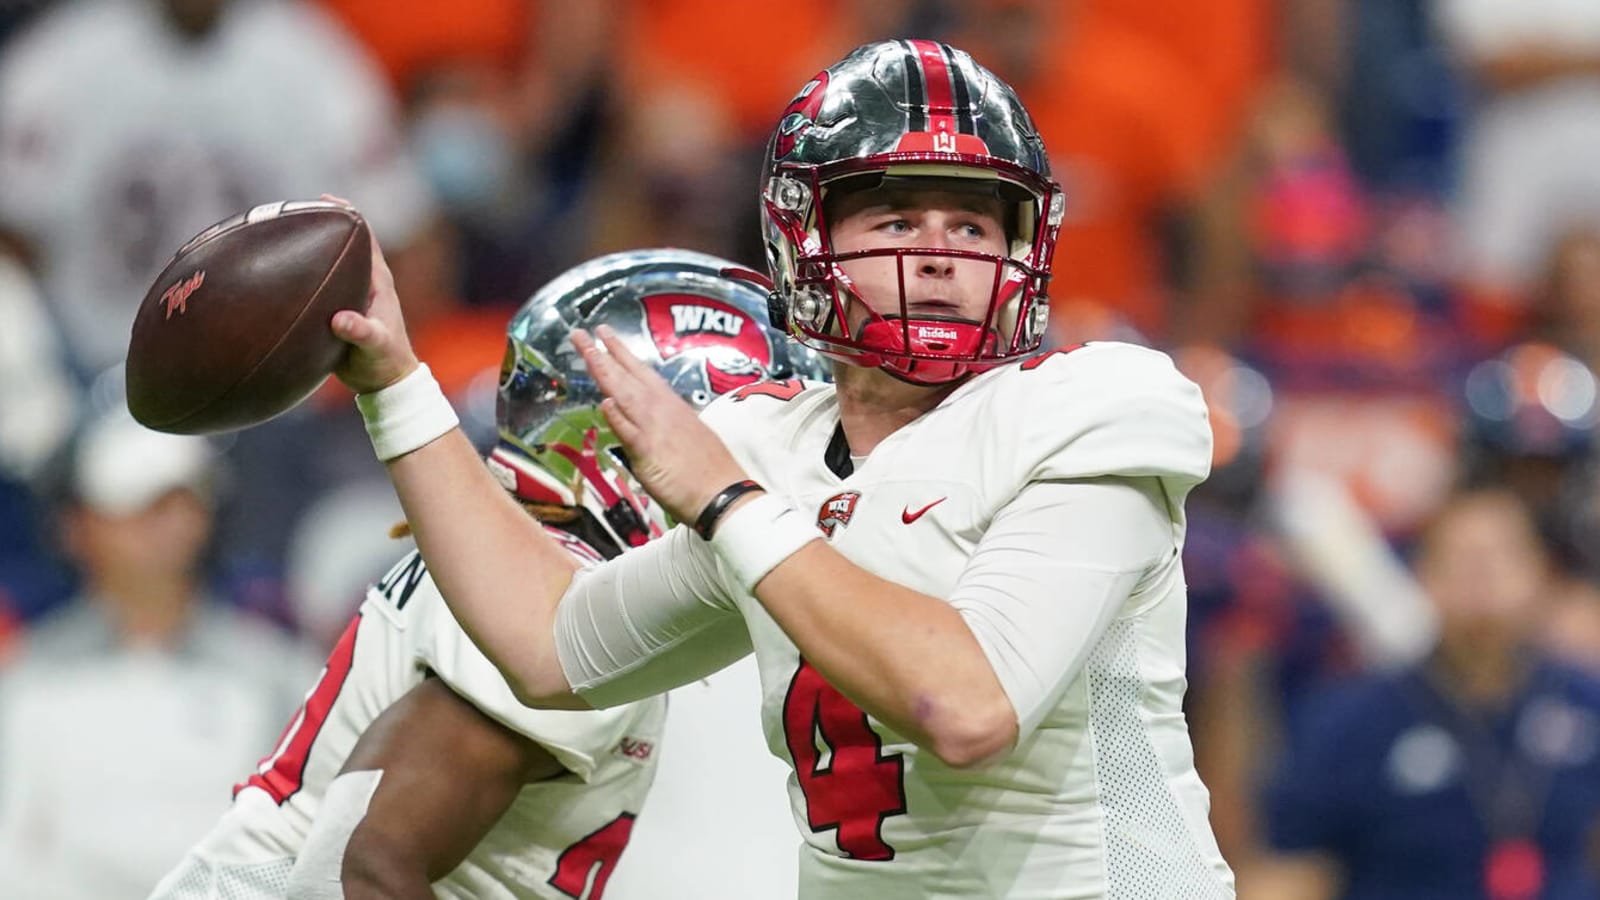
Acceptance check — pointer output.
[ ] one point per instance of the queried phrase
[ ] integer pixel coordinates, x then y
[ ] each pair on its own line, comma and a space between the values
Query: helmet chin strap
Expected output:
961, 337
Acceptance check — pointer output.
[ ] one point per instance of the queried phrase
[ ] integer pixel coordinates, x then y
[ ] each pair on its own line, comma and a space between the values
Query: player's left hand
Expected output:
681, 462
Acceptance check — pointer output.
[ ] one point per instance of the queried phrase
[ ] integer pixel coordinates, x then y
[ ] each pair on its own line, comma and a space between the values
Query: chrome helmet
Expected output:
690, 315
907, 112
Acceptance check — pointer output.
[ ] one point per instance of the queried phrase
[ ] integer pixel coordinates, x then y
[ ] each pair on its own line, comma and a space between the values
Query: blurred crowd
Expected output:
1370, 229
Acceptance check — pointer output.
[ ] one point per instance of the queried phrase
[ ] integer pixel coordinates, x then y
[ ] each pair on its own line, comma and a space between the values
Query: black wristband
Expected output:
707, 520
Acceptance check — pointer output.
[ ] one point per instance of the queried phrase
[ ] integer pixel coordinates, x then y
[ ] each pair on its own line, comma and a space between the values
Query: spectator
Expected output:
1473, 774
128, 125
125, 717
38, 402
1568, 312
1528, 155
1258, 637
1531, 414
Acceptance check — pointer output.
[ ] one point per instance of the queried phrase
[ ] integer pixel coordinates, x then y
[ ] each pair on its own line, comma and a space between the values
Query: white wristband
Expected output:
408, 414
754, 538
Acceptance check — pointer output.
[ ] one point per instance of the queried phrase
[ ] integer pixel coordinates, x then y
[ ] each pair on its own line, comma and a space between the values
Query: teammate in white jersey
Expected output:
412, 762
958, 567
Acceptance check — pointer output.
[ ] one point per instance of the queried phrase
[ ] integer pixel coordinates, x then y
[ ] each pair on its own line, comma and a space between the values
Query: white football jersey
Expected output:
1099, 799
561, 837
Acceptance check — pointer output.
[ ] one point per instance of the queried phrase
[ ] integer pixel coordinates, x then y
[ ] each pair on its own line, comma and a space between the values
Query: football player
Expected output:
958, 566
412, 767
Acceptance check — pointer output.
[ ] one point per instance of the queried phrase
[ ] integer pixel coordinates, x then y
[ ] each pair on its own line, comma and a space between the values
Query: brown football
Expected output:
235, 329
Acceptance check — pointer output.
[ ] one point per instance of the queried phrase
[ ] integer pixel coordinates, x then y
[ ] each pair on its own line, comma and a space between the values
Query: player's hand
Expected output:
681, 462
380, 352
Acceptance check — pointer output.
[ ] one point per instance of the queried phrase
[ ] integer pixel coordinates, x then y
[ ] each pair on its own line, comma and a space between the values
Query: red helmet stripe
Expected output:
941, 93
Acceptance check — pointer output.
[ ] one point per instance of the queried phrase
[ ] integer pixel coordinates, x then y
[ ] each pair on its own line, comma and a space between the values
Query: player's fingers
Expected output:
613, 380
352, 327
625, 428
606, 375
624, 357
339, 200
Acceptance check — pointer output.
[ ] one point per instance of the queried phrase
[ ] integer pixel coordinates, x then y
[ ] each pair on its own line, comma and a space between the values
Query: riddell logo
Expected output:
703, 319
926, 332
836, 511
176, 298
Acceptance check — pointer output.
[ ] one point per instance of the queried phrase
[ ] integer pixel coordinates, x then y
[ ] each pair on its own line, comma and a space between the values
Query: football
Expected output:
234, 331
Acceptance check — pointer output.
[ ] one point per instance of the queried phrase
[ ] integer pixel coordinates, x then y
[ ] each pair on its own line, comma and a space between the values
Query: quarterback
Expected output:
958, 567
412, 768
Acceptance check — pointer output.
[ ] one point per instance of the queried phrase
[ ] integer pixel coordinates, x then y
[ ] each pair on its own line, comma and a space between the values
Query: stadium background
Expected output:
1369, 228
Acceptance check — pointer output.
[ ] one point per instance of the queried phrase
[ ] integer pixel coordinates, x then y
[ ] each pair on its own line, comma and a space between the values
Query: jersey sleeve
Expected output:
650, 620
1056, 567
578, 739
1105, 409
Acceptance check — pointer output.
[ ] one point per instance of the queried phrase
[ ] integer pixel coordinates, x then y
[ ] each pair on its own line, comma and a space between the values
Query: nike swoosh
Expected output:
907, 516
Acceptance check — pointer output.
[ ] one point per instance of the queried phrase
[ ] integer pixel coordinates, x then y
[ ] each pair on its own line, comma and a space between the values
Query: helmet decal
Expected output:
702, 330
736, 351
800, 115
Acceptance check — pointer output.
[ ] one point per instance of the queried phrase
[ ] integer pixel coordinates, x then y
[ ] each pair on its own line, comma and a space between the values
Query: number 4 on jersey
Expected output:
588, 864
855, 787
282, 772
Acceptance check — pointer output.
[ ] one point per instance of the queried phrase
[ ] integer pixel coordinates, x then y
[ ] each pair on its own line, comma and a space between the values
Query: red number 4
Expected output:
856, 787
597, 853
284, 769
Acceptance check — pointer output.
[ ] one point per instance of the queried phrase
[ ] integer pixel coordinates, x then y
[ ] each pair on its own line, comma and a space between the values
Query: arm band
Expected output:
706, 523
758, 536
411, 413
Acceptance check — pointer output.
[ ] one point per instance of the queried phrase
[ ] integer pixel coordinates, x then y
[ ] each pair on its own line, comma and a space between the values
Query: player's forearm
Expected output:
498, 571
905, 657
385, 878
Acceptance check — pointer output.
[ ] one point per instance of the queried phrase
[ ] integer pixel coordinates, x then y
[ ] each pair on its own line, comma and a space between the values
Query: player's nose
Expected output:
935, 265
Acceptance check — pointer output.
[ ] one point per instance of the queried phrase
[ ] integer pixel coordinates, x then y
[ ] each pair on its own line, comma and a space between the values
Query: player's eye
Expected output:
896, 226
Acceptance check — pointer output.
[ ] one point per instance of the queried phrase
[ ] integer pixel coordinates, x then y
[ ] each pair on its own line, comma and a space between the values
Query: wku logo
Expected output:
836, 511
800, 115
733, 347
176, 298
634, 748
697, 318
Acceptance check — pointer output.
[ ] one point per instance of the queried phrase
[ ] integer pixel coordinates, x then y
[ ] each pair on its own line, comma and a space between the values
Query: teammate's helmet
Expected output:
891, 111
677, 311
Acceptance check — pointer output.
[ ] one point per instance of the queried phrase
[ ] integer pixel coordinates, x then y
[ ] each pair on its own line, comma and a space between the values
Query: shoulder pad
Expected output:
756, 401
1106, 409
